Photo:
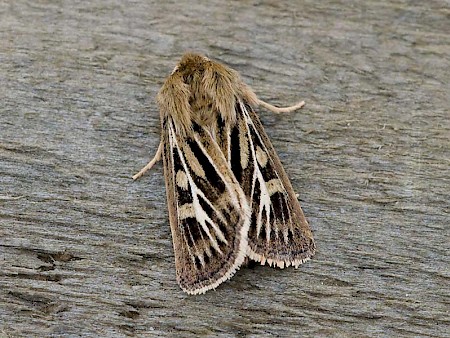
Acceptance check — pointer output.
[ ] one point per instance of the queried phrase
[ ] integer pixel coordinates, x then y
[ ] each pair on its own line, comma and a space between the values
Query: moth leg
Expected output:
281, 109
150, 164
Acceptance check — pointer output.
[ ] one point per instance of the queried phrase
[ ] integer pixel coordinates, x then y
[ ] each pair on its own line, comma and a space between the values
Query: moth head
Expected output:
199, 89
190, 62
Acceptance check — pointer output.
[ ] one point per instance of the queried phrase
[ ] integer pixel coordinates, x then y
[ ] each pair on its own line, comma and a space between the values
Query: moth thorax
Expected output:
203, 110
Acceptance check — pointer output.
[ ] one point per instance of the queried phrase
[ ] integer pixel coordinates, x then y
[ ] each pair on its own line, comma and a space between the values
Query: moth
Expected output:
228, 195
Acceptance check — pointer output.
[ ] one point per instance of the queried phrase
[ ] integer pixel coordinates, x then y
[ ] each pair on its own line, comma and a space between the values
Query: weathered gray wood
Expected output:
84, 251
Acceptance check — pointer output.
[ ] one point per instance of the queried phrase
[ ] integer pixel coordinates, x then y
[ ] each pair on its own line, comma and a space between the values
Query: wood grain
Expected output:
85, 251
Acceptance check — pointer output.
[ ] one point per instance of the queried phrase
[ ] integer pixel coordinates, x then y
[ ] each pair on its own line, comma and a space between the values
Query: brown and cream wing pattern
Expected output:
208, 212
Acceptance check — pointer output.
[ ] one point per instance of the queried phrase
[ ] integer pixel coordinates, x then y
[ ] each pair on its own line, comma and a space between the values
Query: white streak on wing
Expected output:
264, 201
173, 141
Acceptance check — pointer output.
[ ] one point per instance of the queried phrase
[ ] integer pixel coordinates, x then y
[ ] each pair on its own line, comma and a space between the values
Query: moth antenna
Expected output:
150, 164
279, 110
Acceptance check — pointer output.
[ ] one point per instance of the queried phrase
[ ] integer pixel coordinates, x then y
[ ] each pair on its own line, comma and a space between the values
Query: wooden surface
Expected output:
85, 251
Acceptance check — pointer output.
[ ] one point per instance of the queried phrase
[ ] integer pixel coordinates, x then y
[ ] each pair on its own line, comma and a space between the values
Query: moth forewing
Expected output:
208, 212
228, 195
279, 233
